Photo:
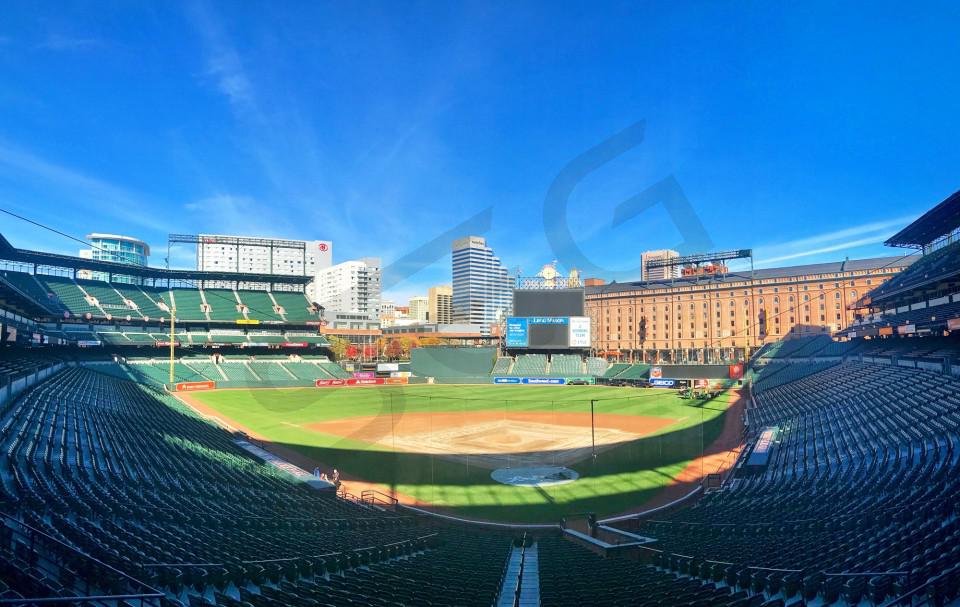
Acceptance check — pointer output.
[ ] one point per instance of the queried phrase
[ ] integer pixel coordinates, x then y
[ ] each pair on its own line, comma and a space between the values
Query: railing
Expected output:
44, 549
523, 562
373, 497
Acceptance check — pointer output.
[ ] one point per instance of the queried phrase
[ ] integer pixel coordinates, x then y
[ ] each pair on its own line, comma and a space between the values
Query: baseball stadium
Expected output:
198, 437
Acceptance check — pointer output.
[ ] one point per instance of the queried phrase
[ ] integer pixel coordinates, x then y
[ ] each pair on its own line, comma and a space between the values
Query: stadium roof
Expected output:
11, 253
941, 219
852, 265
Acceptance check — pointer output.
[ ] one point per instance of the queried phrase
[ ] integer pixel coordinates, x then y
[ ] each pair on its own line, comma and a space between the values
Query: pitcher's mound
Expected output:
540, 476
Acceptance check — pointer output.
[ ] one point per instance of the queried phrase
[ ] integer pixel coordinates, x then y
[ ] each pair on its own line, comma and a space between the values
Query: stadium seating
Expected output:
502, 366
188, 303
109, 299
296, 307
30, 286
223, 304
938, 265
69, 294
530, 365
135, 481
566, 365
260, 306
596, 366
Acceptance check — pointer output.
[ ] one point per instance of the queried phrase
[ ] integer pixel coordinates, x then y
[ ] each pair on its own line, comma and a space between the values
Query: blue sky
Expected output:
808, 132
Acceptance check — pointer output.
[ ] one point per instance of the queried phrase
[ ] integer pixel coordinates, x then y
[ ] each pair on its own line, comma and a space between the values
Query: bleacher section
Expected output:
931, 268
70, 295
596, 366
502, 366
566, 365
223, 305
28, 285
530, 365
259, 306
296, 307
454, 365
137, 482
188, 304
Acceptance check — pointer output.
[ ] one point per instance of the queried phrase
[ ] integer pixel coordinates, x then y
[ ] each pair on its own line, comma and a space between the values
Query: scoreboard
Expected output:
548, 319
548, 332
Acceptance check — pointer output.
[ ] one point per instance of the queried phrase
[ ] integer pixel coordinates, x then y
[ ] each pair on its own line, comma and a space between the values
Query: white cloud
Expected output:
77, 189
839, 240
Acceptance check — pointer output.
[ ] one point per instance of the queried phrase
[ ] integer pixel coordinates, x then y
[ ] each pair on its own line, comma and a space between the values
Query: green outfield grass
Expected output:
619, 479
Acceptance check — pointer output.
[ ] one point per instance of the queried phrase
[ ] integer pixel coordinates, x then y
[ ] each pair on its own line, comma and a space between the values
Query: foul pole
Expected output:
593, 434
173, 322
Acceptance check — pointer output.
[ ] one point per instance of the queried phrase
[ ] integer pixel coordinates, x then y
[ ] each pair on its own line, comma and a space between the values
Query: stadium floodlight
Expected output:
693, 260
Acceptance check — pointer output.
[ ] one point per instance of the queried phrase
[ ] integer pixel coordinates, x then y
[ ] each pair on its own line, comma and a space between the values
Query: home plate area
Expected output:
508, 443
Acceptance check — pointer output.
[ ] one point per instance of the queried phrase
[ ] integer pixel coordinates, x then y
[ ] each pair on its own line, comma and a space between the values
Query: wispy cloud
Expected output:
236, 215
223, 64
829, 242
60, 42
80, 190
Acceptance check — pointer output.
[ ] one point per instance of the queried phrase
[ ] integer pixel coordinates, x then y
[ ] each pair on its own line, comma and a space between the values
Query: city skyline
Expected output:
465, 122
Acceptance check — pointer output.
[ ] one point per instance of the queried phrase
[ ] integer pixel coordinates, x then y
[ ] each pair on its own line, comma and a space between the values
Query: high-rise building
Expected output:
219, 253
351, 287
115, 248
440, 305
661, 273
482, 288
418, 308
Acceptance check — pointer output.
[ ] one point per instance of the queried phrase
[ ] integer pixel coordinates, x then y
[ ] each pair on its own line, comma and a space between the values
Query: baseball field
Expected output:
440, 446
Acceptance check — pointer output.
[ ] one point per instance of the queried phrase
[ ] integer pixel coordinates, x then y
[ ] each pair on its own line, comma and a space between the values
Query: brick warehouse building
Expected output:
728, 316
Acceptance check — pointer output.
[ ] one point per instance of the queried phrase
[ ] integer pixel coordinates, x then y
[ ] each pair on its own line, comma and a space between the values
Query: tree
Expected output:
394, 349
338, 346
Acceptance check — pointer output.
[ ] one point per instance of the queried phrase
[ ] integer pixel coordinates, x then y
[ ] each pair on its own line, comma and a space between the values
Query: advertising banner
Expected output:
396, 381
373, 381
660, 382
247, 321
886, 330
579, 332
166, 344
736, 371
193, 386
953, 323
506, 380
905, 329
517, 333
364, 374
656, 372
327, 383
294, 344
387, 367
543, 381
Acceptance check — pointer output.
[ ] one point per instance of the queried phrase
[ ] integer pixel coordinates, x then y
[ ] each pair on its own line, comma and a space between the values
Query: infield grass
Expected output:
620, 478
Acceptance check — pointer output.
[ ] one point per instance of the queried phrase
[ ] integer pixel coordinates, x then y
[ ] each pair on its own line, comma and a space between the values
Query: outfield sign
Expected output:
532, 381
517, 334
361, 381
544, 381
656, 372
660, 382
193, 386
579, 332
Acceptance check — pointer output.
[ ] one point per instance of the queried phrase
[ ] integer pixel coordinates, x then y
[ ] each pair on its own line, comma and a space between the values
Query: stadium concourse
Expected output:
112, 492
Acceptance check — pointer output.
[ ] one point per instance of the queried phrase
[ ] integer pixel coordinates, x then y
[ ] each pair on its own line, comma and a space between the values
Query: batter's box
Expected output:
511, 443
